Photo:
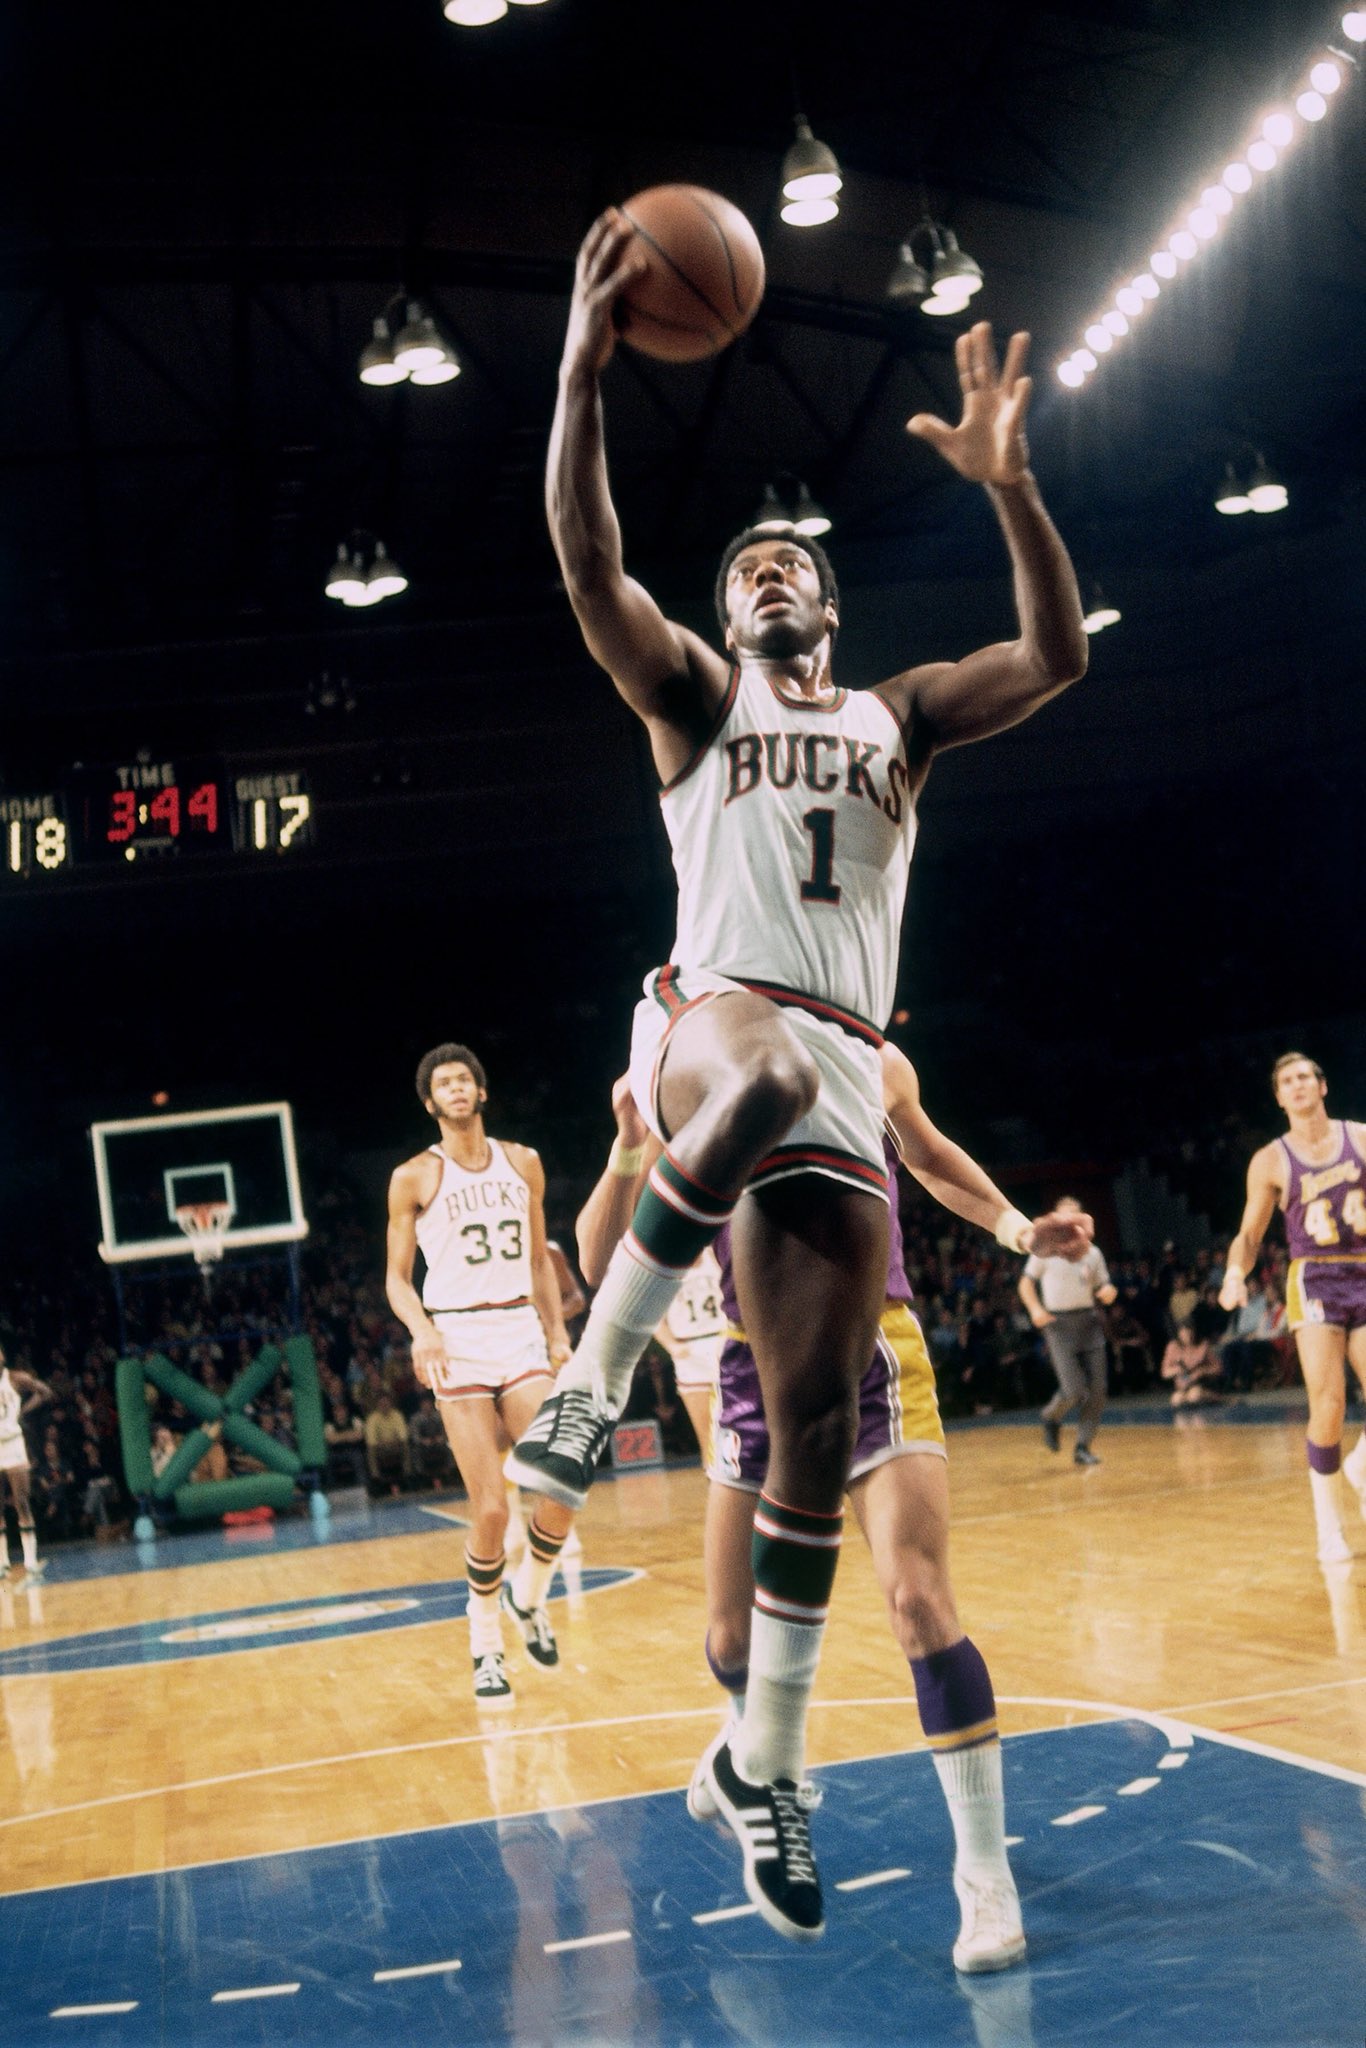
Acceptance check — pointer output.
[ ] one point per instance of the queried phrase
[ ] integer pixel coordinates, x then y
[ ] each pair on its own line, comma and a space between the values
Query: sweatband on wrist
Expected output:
625, 1161
1010, 1228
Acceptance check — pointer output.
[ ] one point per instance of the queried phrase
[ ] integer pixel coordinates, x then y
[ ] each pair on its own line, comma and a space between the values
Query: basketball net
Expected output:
205, 1224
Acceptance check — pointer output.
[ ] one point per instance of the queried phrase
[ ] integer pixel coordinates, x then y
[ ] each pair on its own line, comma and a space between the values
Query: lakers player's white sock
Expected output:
28, 1538
974, 1793
675, 1219
1326, 1490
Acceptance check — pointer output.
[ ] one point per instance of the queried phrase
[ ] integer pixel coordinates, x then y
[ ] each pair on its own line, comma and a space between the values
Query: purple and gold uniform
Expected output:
898, 1408
1325, 1228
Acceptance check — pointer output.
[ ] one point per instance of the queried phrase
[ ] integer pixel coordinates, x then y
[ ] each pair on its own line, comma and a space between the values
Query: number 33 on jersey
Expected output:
475, 1237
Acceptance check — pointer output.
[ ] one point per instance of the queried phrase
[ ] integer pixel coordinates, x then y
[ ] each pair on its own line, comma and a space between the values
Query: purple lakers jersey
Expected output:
1325, 1206
898, 1286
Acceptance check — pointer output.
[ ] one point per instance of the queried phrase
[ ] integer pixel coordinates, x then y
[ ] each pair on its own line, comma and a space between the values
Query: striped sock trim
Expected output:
485, 1574
688, 1188
795, 1553
965, 1738
545, 1549
675, 1218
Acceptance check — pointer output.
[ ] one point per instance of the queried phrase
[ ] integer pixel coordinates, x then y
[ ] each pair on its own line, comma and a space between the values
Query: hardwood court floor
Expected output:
1178, 1577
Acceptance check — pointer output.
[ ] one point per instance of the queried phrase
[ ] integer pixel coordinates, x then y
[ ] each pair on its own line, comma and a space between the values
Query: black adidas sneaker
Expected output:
771, 1825
558, 1454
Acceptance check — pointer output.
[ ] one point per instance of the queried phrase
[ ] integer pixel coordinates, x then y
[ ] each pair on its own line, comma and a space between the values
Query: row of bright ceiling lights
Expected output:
1203, 220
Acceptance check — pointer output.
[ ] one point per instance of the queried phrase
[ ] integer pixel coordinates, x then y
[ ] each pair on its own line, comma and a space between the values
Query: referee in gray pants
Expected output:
1061, 1297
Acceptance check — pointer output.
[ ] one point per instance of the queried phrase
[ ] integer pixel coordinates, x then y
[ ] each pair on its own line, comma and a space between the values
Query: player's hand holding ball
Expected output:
677, 272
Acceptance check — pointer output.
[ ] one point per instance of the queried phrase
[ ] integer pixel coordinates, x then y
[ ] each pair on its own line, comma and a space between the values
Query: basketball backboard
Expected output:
148, 1167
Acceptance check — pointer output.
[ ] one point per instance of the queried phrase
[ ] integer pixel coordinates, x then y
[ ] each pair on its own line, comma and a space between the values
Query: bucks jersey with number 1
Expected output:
792, 830
1325, 1206
475, 1236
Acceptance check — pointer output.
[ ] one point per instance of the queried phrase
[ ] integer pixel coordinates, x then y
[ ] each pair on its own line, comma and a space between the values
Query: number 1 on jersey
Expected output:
820, 885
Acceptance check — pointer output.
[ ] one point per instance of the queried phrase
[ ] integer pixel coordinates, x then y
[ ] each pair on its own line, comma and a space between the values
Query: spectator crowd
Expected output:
1166, 1332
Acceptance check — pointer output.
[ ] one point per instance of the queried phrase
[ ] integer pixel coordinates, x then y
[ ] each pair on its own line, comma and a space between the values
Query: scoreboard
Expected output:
144, 811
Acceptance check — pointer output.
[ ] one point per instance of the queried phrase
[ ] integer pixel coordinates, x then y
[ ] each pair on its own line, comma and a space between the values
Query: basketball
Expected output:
705, 277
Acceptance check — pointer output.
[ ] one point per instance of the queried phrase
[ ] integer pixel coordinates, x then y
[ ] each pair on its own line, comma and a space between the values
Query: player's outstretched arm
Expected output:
1263, 1188
946, 702
409, 1193
668, 675
955, 1179
602, 1221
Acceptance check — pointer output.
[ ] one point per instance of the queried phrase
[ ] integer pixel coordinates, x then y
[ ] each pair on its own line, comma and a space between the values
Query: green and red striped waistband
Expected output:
784, 1161
670, 997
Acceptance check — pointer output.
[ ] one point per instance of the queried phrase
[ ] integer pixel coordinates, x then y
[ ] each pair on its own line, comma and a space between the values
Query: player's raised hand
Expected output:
1066, 1235
606, 265
988, 445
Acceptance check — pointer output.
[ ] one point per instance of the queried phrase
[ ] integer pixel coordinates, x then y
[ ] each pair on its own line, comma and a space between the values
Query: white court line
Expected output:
254, 1991
1135, 1786
416, 1970
1282, 1692
1014, 1841
395, 1749
723, 1913
1077, 1815
90, 2012
858, 1884
1172, 1761
558, 1948
1180, 1734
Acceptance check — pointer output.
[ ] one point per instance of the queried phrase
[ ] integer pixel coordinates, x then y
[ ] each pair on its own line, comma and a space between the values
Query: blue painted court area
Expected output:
263, 1628
1219, 1898
358, 1521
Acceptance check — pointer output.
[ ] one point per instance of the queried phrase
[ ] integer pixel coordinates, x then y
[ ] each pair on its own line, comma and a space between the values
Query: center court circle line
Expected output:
1107, 1710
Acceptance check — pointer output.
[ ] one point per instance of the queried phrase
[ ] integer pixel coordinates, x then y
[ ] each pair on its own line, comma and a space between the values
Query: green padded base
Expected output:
218, 1496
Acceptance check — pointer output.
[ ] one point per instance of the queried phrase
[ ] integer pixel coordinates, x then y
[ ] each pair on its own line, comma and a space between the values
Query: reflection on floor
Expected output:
1175, 1892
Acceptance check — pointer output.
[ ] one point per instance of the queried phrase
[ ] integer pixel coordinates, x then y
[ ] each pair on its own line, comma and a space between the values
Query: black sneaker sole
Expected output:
536, 1480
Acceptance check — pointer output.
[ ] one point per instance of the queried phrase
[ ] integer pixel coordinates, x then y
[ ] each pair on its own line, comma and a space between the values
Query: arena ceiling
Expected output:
215, 203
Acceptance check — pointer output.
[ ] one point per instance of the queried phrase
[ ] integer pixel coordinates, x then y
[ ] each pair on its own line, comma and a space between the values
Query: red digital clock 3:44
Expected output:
155, 807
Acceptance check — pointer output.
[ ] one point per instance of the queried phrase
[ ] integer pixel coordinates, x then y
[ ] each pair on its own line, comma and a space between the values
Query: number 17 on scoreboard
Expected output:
272, 813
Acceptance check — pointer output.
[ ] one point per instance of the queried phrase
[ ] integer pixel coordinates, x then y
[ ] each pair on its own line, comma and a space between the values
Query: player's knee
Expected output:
781, 1083
924, 1617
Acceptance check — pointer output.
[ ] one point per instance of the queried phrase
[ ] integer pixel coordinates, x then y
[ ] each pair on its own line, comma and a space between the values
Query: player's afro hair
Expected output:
447, 1055
774, 529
